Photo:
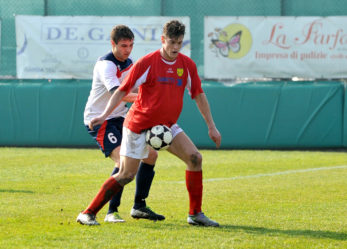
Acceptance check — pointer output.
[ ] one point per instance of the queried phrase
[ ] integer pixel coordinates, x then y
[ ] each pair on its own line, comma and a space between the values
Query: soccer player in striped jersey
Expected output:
109, 72
161, 78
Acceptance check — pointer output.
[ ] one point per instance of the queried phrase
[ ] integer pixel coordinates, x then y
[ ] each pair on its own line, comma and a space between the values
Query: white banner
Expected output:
275, 47
61, 47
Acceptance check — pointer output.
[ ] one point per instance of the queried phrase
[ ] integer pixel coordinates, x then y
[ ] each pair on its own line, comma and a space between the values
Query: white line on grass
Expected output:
287, 172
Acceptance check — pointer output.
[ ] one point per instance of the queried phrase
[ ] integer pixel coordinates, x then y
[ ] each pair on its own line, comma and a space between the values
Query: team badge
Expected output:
179, 72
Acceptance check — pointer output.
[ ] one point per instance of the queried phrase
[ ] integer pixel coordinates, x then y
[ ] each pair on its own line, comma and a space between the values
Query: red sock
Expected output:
106, 192
194, 186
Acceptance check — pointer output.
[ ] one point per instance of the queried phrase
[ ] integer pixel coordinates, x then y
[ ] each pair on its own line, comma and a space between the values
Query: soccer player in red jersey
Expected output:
161, 77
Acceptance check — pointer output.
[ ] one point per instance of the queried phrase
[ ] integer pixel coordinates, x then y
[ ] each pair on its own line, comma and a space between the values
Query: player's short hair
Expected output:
174, 29
121, 32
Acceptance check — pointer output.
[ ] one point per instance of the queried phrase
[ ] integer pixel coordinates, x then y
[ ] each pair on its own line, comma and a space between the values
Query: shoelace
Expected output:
91, 216
116, 215
150, 210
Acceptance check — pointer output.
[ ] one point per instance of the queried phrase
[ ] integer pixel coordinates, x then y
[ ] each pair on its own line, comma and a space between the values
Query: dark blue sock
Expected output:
115, 201
144, 179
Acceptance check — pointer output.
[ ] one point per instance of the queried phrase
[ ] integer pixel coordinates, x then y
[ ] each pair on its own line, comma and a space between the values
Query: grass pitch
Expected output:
262, 199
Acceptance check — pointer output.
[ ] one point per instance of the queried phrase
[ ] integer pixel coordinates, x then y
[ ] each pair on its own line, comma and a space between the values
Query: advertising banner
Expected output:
275, 47
62, 47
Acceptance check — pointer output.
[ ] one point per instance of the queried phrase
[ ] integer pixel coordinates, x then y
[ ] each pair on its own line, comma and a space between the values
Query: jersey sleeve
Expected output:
137, 75
193, 81
108, 75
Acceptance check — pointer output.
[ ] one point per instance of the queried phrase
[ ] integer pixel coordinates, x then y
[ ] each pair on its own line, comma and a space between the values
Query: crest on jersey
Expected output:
179, 72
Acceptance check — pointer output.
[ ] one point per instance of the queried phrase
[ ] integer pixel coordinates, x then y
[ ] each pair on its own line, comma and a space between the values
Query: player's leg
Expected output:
134, 146
127, 172
109, 188
185, 149
144, 180
112, 215
108, 137
133, 150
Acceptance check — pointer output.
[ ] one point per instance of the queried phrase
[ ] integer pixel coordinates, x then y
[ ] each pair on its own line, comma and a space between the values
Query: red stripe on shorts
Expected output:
101, 134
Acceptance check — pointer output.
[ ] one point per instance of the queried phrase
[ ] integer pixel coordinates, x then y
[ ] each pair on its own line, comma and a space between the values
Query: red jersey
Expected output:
161, 89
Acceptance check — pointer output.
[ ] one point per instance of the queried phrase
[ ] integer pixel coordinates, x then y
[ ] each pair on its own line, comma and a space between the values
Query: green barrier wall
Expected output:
248, 115
43, 114
272, 115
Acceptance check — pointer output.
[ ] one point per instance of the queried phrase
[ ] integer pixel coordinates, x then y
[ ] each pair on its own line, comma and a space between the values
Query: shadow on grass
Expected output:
293, 233
16, 191
253, 230
315, 234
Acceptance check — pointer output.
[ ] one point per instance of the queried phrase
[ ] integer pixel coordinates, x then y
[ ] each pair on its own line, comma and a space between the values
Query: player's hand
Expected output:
96, 121
215, 136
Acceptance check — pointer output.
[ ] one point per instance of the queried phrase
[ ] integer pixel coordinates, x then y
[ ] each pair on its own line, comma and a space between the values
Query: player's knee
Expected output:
196, 159
126, 177
129, 176
152, 157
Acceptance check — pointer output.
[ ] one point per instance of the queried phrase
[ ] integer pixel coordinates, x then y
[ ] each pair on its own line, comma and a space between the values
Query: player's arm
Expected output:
204, 108
114, 101
130, 97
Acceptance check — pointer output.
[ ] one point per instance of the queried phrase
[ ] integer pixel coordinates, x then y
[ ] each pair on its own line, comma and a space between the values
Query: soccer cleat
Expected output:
114, 218
145, 213
200, 219
87, 219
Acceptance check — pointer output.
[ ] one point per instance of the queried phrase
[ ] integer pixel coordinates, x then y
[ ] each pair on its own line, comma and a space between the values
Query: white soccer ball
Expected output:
159, 137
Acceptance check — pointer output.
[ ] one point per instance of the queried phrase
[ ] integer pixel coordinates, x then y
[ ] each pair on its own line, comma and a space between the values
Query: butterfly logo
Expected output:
224, 47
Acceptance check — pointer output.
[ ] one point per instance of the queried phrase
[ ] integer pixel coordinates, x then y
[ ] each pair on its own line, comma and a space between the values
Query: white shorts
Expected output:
134, 145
